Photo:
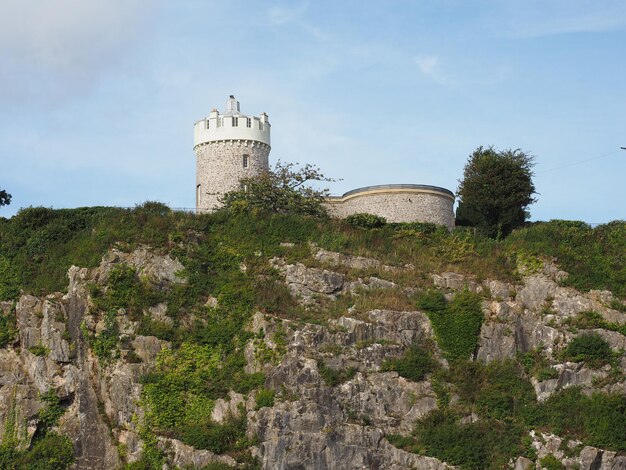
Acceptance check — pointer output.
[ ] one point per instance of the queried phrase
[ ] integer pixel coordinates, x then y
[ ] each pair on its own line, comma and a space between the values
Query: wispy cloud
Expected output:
69, 42
280, 15
430, 66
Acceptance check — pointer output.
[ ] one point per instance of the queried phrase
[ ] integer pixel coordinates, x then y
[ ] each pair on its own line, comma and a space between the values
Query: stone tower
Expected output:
229, 146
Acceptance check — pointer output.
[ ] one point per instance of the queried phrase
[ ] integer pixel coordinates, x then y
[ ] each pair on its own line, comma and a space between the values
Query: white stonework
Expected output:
397, 203
229, 146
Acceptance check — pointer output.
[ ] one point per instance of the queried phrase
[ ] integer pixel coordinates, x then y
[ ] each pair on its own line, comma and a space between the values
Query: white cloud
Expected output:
67, 33
430, 66
52, 47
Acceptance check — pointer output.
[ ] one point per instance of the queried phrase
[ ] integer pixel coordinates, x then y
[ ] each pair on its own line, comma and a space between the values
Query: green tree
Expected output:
283, 189
496, 190
5, 198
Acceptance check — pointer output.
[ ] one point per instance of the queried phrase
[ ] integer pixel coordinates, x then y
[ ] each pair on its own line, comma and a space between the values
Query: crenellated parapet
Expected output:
229, 146
232, 125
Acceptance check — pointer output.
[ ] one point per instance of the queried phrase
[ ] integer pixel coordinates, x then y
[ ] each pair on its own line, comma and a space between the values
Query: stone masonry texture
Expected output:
219, 168
414, 206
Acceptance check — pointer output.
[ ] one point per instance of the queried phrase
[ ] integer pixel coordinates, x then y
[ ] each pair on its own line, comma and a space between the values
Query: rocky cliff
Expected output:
331, 395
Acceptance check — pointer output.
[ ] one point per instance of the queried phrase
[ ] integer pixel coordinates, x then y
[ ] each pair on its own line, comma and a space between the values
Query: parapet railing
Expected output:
382, 187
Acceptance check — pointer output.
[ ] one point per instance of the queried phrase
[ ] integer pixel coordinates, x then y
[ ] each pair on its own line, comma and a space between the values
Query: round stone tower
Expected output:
229, 146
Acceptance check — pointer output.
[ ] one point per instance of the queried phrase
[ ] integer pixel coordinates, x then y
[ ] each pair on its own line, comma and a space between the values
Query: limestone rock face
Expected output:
50, 353
182, 455
386, 400
309, 283
148, 264
349, 261
314, 423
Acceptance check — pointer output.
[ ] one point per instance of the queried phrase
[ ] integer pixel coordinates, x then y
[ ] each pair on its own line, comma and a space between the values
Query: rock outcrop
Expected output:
312, 424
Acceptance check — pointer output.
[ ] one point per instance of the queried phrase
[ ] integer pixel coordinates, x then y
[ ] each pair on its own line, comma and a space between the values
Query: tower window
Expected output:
207, 123
235, 121
260, 125
220, 122
245, 161
248, 122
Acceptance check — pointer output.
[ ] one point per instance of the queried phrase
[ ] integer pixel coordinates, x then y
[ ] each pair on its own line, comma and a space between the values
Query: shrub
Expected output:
598, 420
591, 348
550, 462
104, 344
9, 280
536, 365
498, 390
53, 452
504, 392
425, 228
281, 190
414, 364
457, 323
479, 445
407, 443
432, 301
162, 330
7, 330
218, 438
588, 320
39, 350
333, 377
153, 208
51, 412
591, 319
125, 290
365, 220
175, 394
264, 397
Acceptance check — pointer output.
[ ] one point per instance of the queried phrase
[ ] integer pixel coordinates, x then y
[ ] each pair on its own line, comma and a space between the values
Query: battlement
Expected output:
231, 125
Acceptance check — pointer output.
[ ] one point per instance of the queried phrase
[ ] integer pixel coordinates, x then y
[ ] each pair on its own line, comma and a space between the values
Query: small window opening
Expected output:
248, 122
207, 123
245, 161
235, 121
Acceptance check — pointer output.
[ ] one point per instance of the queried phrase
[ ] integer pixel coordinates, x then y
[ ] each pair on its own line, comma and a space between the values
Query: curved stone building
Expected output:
397, 203
229, 146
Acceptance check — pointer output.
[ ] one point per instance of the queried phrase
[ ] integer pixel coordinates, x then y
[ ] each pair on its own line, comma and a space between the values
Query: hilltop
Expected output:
138, 338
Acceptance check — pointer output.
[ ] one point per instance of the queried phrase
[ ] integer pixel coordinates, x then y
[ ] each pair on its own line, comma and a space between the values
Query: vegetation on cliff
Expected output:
226, 255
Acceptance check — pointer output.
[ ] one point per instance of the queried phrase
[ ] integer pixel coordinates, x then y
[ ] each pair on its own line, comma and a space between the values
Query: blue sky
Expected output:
98, 98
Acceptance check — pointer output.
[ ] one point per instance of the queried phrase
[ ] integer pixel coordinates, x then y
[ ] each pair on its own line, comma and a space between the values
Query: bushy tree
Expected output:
496, 190
283, 189
5, 198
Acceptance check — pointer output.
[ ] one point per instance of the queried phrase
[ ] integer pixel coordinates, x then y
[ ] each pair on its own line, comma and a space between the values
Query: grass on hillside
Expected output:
38, 245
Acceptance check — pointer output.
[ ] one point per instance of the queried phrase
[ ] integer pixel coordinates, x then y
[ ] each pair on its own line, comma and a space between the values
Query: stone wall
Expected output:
219, 168
398, 203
